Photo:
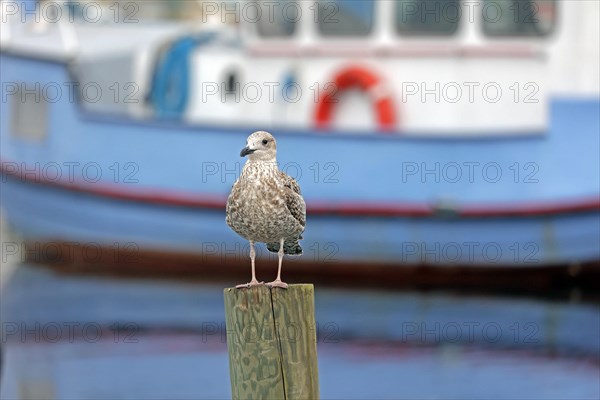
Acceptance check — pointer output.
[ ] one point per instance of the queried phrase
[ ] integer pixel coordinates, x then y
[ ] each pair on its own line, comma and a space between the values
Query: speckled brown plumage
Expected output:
265, 204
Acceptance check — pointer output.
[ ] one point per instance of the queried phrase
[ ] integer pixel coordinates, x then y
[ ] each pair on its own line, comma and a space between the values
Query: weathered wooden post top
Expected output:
272, 343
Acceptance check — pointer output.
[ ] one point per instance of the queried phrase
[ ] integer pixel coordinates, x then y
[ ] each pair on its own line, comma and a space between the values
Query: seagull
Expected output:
265, 205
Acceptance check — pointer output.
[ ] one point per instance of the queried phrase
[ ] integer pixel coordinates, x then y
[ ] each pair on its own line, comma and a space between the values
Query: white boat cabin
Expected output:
407, 67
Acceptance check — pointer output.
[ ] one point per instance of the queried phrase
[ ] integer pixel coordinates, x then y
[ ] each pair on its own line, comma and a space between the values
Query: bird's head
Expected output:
260, 146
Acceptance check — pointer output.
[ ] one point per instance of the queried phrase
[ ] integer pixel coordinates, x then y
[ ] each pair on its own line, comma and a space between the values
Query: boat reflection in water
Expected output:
81, 337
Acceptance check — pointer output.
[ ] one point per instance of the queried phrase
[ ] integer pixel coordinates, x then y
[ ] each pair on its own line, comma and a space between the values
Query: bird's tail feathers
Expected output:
292, 248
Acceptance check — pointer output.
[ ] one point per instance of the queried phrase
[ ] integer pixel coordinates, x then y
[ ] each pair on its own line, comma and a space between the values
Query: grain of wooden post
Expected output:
271, 338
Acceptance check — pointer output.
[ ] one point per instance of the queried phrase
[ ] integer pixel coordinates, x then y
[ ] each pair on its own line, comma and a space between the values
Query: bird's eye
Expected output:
265, 141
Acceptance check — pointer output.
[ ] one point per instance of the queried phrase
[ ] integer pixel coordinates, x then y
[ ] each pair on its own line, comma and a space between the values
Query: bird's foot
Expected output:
249, 284
278, 283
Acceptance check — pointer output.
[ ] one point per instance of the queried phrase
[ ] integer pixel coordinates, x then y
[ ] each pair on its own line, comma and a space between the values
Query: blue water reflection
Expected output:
68, 337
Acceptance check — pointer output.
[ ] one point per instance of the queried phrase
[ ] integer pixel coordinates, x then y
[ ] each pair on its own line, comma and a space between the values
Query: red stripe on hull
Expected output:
359, 209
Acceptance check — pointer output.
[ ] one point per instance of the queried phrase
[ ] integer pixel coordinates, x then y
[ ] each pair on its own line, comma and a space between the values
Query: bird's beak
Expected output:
246, 150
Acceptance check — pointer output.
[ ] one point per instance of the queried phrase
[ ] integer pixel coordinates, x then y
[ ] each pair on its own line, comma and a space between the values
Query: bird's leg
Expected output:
254, 281
277, 282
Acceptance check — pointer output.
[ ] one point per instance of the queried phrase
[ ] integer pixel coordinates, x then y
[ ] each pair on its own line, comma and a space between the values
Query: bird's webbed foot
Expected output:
253, 282
278, 283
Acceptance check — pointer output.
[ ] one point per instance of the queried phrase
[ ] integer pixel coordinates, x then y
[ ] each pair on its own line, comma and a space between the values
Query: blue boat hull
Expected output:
377, 199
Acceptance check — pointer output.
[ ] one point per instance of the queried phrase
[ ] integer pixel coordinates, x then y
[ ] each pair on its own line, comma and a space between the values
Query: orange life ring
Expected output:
366, 80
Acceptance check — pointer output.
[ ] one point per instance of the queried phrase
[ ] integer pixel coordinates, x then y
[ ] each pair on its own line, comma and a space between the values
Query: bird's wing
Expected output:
230, 206
293, 198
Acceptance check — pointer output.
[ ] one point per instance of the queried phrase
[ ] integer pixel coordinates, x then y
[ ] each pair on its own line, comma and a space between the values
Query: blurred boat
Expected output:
460, 143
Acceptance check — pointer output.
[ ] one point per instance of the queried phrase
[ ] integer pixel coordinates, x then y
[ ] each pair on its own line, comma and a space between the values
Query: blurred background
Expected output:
447, 151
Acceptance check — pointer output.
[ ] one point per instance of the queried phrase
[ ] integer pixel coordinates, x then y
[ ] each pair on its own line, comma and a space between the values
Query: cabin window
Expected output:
518, 17
348, 18
29, 119
278, 18
427, 17
231, 85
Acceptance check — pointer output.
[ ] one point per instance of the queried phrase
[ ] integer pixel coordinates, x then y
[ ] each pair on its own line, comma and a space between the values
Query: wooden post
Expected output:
272, 342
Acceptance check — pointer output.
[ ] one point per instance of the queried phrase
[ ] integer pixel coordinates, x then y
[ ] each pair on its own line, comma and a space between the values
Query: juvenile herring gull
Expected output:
265, 204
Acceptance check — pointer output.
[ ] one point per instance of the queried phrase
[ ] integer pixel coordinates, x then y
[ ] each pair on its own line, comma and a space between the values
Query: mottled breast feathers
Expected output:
266, 205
